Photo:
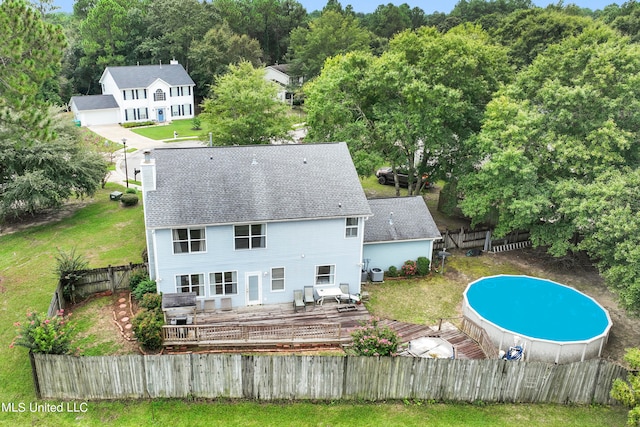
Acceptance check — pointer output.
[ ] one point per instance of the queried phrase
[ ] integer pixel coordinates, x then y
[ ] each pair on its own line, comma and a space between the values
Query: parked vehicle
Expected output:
385, 177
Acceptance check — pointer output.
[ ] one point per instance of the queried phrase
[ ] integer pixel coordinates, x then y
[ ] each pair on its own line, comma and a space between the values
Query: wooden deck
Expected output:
279, 326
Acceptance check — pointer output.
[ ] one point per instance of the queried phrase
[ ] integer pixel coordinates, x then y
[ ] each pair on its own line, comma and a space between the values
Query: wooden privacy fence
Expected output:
251, 335
111, 278
467, 239
322, 377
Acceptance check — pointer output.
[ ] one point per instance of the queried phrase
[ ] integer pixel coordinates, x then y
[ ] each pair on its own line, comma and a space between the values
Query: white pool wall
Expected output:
537, 349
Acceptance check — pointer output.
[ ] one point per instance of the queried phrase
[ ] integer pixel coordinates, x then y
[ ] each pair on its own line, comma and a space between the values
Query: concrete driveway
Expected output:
133, 158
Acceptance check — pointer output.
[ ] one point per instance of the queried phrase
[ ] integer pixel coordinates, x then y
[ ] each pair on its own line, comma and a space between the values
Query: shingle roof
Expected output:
218, 185
94, 102
141, 76
399, 218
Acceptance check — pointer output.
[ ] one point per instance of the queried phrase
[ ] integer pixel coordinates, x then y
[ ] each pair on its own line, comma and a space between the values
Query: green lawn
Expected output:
164, 132
106, 234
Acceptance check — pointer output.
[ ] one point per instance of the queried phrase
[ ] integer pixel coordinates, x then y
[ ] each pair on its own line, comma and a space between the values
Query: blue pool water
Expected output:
537, 308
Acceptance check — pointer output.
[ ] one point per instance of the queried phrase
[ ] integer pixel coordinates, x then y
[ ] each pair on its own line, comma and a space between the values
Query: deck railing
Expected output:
248, 334
481, 337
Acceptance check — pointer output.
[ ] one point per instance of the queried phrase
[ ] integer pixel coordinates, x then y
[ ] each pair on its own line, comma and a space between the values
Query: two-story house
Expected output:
160, 93
253, 223
278, 73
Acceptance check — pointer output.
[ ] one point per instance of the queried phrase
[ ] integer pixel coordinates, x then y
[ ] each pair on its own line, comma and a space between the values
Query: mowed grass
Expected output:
106, 233
165, 131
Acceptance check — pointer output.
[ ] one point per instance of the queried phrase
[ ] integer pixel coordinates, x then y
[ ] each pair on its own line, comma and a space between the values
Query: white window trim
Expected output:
284, 279
250, 236
189, 240
348, 227
316, 275
213, 284
203, 284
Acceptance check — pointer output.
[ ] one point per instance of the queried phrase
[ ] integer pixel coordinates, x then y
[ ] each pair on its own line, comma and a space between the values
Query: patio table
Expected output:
334, 292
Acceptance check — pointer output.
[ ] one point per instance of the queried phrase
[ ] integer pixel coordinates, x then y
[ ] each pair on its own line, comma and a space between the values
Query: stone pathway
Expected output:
123, 314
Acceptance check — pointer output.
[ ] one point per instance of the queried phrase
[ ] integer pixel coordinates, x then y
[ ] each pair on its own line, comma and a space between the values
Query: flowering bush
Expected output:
373, 340
43, 334
409, 268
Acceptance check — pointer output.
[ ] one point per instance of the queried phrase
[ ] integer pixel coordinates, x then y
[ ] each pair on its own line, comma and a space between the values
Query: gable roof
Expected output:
282, 68
94, 102
256, 183
141, 76
398, 219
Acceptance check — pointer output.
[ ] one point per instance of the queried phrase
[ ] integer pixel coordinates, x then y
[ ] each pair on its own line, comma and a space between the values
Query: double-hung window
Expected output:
325, 274
187, 240
250, 236
190, 283
277, 279
223, 283
351, 229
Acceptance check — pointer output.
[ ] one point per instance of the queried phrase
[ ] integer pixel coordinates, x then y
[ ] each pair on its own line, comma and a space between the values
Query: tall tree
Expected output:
333, 33
29, 56
171, 27
242, 108
388, 20
110, 35
211, 56
424, 96
571, 118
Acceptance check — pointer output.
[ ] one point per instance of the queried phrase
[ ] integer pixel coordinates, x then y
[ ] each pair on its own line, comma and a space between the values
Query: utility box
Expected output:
115, 195
377, 275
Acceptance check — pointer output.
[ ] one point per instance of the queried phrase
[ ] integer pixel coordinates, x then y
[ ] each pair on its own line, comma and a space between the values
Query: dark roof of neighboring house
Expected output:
94, 102
236, 184
283, 68
141, 76
398, 219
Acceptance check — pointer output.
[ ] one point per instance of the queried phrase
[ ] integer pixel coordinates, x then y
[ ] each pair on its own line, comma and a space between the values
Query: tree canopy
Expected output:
551, 141
243, 109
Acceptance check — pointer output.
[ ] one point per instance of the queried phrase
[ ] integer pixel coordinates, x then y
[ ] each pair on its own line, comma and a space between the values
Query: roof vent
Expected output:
391, 218
304, 160
254, 162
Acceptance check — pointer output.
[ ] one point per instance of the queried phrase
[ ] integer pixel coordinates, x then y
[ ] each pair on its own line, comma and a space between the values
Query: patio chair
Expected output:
345, 297
297, 300
308, 295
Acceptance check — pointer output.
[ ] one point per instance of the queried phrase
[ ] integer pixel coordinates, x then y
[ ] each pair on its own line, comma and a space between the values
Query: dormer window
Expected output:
159, 95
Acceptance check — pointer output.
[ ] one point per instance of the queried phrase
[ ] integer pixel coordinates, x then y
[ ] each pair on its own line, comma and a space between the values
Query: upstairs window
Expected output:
251, 236
187, 240
351, 229
159, 95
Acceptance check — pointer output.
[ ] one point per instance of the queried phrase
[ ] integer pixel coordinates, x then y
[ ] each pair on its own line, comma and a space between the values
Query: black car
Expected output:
385, 177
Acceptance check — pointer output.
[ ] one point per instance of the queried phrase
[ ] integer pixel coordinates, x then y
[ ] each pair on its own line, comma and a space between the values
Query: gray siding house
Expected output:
253, 223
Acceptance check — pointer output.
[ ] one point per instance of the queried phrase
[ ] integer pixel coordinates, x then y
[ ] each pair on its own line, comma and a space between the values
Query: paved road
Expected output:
133, 158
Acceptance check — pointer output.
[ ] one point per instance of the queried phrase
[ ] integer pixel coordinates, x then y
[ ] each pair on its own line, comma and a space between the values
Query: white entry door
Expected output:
253, 283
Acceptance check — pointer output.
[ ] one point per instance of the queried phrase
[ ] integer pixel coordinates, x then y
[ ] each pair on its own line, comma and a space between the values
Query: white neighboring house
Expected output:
278, 73
158, 93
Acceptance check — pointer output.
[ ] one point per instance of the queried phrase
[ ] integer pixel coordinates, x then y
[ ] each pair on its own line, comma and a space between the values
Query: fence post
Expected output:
34, 375
112, 281
487, 241
460, 237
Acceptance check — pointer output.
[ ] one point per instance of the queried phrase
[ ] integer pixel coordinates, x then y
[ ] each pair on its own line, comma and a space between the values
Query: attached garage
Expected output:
93, 110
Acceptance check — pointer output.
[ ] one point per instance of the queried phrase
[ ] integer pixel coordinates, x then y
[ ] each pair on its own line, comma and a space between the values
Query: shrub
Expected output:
393, 271
147, 327
129, 199
137, 277
144, 287
130, 190
373, 340
43, 334
196, 124
137, 124
68, 271
409, 268
151, 301
423, 265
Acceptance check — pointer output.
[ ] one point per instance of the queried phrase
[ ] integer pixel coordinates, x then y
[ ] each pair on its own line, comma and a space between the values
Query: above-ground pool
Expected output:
552, 322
